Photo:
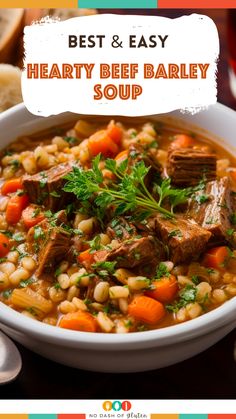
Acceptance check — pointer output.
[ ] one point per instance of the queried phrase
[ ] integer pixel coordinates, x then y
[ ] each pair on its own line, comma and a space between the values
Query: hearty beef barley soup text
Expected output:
117, 228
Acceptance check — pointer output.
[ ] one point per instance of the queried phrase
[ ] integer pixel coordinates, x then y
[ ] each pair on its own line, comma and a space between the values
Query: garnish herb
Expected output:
57, 272
107, 266
187, 295
195, 279
43, 180
18, 237
201, 199
162, 271
7, 293
36, 212
175, 233
95, 243
128, 194
38, 233
25, 283
71, 140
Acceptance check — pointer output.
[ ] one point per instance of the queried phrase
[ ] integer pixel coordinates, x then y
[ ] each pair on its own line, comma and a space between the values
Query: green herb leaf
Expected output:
108, 266
175, 233
162, 271
128, 194
71, 140
38, 233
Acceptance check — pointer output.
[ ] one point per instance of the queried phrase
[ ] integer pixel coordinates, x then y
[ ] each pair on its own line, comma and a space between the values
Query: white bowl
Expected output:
121, 352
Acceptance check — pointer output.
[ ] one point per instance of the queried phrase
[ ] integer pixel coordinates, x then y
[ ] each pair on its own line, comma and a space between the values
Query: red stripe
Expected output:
71, 416
204, 4
222, 416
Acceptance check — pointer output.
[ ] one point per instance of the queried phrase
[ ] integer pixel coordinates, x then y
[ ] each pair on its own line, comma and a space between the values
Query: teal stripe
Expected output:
42, 416
193, 416
118, 4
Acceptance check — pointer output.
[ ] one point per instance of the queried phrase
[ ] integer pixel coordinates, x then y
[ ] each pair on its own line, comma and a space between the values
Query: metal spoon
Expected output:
10, 360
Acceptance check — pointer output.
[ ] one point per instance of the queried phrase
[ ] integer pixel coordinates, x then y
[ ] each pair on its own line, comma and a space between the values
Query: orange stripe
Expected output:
14, 416
204, 4
40, 4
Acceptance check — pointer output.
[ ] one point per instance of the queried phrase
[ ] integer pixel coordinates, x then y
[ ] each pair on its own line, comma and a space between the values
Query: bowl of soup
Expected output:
118, 236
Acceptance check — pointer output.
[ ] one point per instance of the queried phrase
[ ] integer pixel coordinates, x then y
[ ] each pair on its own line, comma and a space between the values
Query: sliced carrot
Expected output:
31, 217
4, 245
79, 320
216, 257
15, 207
182, 141
165, 289
11, 185
146, 309
86, 257
100, 142
123, 155
115, 132
233, 174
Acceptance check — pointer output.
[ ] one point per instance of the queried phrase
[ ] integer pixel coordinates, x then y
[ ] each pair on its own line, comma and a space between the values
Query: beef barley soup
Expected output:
117, 228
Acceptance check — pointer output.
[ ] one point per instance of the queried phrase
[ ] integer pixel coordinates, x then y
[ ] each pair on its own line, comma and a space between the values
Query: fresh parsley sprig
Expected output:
127, 194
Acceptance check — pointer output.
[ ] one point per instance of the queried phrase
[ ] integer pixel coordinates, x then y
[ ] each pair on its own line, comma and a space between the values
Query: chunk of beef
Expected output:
134, 252
216, 212
45, 188
120, 229
54, 248
187, 166
185, 239
50, 240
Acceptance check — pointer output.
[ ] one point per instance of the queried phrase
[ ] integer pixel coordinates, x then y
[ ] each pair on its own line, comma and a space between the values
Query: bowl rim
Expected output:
205, 324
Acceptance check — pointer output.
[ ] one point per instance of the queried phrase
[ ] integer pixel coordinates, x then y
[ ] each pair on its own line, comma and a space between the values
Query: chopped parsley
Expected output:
18, 237
107, 266
57, 272
195, 279
153, 144
32, 310
95, 244
128, 323
71, 140
25, 283
210, 270
230, 231
201, 199
7, 233
7, 293
175, 233
36, 212
133, 134
15, 164
162, 271
38, 233
187, 295
48, 214
43, 180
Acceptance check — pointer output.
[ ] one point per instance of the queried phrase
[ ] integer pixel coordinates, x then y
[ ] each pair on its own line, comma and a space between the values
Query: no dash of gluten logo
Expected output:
116, 405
